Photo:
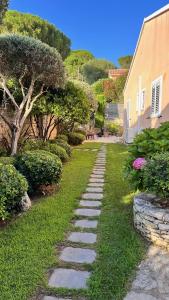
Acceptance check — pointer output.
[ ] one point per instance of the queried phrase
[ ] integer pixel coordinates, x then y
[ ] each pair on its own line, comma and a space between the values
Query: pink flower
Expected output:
139, 163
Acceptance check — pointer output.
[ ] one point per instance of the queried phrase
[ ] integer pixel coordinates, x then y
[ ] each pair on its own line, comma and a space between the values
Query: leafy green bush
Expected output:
57, 150
82, 131
99, 120
64, 145
145, 145
13, 186
151, 141
3, 151
39, 167
47, 146
156, 175
7, 160
76, 138
62, 137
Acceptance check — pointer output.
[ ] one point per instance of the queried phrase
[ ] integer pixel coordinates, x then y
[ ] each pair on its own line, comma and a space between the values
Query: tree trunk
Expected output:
14, 141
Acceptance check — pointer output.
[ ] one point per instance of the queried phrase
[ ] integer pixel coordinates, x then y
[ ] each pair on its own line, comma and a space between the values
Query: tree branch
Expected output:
3, 83
6, 120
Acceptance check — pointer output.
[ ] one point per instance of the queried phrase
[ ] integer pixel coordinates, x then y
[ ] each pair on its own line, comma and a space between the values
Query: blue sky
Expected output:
108, 28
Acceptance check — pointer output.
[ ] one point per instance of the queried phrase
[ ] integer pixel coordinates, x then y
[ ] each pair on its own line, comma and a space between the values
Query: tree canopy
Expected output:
64, 107
33, 26
125, 61
3, 9
75, 61
96, 69
33, 65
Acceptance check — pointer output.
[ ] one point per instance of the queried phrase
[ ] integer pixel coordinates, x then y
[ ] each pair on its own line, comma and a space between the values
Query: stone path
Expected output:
81, 252
152, 278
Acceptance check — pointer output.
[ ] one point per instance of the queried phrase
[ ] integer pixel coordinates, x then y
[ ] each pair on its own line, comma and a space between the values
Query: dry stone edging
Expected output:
150, 220
73, 278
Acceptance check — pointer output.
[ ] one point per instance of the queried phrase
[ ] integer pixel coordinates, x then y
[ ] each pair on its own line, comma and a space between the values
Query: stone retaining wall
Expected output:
150, 220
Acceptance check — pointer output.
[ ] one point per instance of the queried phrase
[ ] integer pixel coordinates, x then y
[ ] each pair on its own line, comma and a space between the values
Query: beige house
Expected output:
146, 93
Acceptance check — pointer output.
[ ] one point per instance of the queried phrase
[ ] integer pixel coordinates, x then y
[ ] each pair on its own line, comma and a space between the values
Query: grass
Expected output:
119, 247
28, 244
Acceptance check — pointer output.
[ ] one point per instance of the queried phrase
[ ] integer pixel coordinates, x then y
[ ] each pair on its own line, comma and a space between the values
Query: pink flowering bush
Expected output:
139, 163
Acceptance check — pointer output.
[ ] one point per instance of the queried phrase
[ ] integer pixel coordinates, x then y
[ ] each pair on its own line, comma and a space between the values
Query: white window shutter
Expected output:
153, 100
157, 102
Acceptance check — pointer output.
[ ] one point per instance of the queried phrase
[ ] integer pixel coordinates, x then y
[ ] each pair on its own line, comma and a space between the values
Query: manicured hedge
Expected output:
76, 138
13, 186
40, 168
47, 146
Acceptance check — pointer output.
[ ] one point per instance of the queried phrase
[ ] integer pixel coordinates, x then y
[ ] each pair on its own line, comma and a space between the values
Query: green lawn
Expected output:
30, 245
119, 247
27, 246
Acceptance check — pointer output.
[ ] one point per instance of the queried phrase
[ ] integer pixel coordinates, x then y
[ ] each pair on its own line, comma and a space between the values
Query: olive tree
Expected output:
34, 66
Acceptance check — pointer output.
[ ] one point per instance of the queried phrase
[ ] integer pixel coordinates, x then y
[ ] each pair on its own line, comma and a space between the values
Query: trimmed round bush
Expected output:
156, 175
62, 137
13, 186
40, 168
57, 150
7, 160
76, 138
64, 145
47, 146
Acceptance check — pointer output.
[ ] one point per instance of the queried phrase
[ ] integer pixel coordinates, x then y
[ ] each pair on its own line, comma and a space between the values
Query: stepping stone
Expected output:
86, 224
86, 203
78, 255
96, 184
94, 150
98, 173
99, 169
69, 278
87, 212
91, 180
94, 190
54, 298
93, 196
97, 176
82, 237
99, 165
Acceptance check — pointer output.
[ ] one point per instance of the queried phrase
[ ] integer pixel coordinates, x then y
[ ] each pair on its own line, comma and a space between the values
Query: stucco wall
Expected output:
151, 61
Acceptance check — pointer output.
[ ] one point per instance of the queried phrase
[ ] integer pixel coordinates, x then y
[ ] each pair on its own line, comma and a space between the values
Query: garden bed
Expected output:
151, 220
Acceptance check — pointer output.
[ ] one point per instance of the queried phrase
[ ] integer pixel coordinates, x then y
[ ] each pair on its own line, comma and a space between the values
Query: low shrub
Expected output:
151, 141
114, 129
62, 137
145, 145
82, 131
75, 138
57, 150
47, 146
13, 186
7, 160
3, 151
64, 145
39, 167
156, 175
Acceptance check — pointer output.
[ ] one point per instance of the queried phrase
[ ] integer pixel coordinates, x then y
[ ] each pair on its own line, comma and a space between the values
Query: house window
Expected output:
156, 97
